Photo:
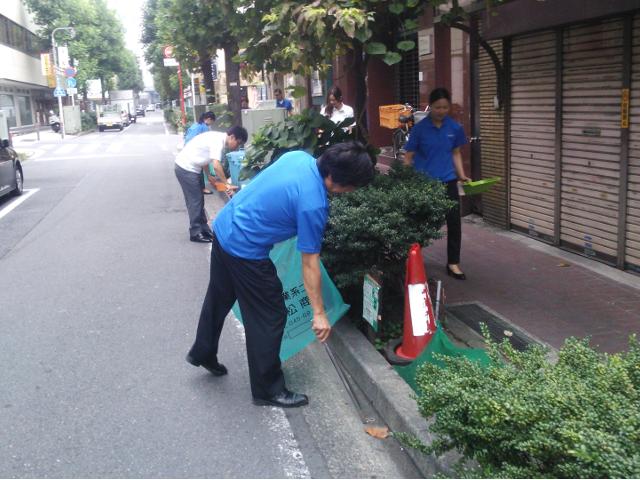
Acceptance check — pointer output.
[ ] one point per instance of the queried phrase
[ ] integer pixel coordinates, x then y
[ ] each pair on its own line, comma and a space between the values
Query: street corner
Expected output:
30, 153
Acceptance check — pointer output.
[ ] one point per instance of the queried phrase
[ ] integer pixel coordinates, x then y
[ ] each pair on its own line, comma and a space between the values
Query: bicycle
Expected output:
401, 135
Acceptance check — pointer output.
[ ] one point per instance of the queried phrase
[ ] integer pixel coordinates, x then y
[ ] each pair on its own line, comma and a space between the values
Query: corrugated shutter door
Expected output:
592, 82
533, 106
632, 253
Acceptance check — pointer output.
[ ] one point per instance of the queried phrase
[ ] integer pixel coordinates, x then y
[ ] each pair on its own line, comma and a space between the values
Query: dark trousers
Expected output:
256, 286
454, 225
192, 185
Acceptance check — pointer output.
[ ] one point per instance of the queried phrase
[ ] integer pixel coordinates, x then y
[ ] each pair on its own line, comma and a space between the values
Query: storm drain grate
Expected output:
473, 315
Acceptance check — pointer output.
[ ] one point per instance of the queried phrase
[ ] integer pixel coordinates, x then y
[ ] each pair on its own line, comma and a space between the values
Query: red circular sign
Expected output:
167, 51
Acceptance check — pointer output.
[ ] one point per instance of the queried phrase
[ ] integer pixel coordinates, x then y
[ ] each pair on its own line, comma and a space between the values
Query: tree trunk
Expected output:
233, 81
205, 66
360, 66
102, 90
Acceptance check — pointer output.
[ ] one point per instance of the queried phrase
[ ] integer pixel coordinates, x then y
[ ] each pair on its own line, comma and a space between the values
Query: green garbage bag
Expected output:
298, 333
439, 344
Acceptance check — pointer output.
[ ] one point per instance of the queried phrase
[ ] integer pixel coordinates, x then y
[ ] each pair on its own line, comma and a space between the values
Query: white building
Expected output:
24, 94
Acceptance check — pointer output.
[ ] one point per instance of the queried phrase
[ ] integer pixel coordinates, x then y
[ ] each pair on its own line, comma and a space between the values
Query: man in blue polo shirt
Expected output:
288, 198
282, 102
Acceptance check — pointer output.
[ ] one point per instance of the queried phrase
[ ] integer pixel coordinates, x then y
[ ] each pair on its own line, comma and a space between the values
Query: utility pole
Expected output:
55, 72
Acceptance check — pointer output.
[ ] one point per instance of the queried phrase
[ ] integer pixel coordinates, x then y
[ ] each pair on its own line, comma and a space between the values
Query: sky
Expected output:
130, 14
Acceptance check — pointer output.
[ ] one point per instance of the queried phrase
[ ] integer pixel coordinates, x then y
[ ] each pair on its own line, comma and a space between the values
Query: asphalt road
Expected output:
100, 291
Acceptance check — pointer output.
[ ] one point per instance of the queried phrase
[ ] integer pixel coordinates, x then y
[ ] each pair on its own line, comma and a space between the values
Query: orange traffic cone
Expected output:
419, 320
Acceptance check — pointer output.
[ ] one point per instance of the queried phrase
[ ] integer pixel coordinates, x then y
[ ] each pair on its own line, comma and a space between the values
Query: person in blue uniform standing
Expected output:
434, 149
282, 102
287, 199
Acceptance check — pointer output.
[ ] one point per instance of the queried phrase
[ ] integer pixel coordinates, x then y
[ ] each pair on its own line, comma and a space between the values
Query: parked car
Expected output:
158, 105
140, 111
151, 108
11, 179
125, 118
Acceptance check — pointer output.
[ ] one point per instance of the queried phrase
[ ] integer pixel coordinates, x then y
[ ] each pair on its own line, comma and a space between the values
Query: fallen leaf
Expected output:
563, 265
377, 432
507, 333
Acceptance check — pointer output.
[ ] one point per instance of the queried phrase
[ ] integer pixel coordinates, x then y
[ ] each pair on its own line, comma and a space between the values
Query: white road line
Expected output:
25, 194
47, 146
90, 148
291, 457
115, 148
66, 148
89, 157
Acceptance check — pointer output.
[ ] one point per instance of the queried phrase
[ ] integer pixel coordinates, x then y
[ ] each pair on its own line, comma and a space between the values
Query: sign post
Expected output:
167, 52
371, 302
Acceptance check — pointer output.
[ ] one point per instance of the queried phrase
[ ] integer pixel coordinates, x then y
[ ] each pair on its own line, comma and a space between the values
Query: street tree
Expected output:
130, 77
301, 37
165, 79
99, 41
197, 30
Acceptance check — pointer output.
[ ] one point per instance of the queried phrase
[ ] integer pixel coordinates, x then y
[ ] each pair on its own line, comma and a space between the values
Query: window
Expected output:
6, 105
24, 107
15, 36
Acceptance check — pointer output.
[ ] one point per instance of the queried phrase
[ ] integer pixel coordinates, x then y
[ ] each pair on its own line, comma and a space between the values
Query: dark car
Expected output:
10, 170
140, 111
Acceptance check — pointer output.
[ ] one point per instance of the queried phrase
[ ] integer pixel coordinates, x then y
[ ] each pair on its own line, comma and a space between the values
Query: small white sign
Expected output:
170, 62
419, 310
63, 57
72, 91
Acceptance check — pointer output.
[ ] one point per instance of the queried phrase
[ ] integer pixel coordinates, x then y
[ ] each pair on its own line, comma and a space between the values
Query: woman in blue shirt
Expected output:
201, 126
434, 149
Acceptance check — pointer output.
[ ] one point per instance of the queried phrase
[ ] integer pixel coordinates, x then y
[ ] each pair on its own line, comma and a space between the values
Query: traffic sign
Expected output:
59, 92
72, 91
170, 62
167, 51
70, 71
71, 82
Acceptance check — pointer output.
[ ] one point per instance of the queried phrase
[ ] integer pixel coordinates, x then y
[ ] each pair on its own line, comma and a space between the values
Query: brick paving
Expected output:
521, 279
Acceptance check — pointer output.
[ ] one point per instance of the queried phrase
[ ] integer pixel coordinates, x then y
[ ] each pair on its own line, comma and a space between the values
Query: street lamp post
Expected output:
55, 66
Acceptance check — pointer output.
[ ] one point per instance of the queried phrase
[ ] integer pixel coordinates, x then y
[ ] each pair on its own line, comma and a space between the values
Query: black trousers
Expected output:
454, 225
256, 286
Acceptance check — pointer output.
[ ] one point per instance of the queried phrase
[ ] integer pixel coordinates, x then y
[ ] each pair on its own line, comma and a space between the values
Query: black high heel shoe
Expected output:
457, 276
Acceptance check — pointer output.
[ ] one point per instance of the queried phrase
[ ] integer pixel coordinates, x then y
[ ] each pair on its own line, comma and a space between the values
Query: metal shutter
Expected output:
532, 126
632, 253
592, 81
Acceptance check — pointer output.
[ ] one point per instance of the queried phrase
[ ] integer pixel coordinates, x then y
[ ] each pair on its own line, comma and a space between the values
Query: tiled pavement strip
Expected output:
520, 278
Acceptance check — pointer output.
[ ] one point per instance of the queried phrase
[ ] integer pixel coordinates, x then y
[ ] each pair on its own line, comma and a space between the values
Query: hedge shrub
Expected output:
579, 418
374, 227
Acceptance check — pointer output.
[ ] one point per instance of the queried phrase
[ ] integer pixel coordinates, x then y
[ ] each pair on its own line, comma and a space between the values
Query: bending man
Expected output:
287, 199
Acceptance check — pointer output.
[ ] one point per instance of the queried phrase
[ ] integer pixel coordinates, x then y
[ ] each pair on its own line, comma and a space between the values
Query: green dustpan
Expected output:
472, 188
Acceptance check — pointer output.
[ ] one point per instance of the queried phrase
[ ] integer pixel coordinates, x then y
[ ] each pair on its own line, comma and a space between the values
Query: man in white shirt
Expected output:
203, 150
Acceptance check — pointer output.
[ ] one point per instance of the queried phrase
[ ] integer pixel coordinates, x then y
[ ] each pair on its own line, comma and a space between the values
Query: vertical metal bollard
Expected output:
38, 131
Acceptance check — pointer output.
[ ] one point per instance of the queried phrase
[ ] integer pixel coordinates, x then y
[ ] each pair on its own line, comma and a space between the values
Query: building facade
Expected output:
25, 96
569, 127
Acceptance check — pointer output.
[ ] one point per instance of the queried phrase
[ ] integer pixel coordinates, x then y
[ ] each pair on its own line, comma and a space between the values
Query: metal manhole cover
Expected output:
473, 315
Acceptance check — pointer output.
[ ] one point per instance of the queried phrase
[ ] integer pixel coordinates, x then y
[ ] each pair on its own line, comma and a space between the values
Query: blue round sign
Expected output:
71, 83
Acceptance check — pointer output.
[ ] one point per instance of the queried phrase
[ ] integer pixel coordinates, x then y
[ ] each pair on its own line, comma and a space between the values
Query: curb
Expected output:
388, 394
382, 386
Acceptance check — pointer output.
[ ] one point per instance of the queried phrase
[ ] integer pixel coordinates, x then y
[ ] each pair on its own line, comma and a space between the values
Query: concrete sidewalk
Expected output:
527, 282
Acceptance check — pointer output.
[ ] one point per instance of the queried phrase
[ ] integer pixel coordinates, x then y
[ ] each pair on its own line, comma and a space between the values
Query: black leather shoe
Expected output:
200, 238
285, 399
213, 366
457, 276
